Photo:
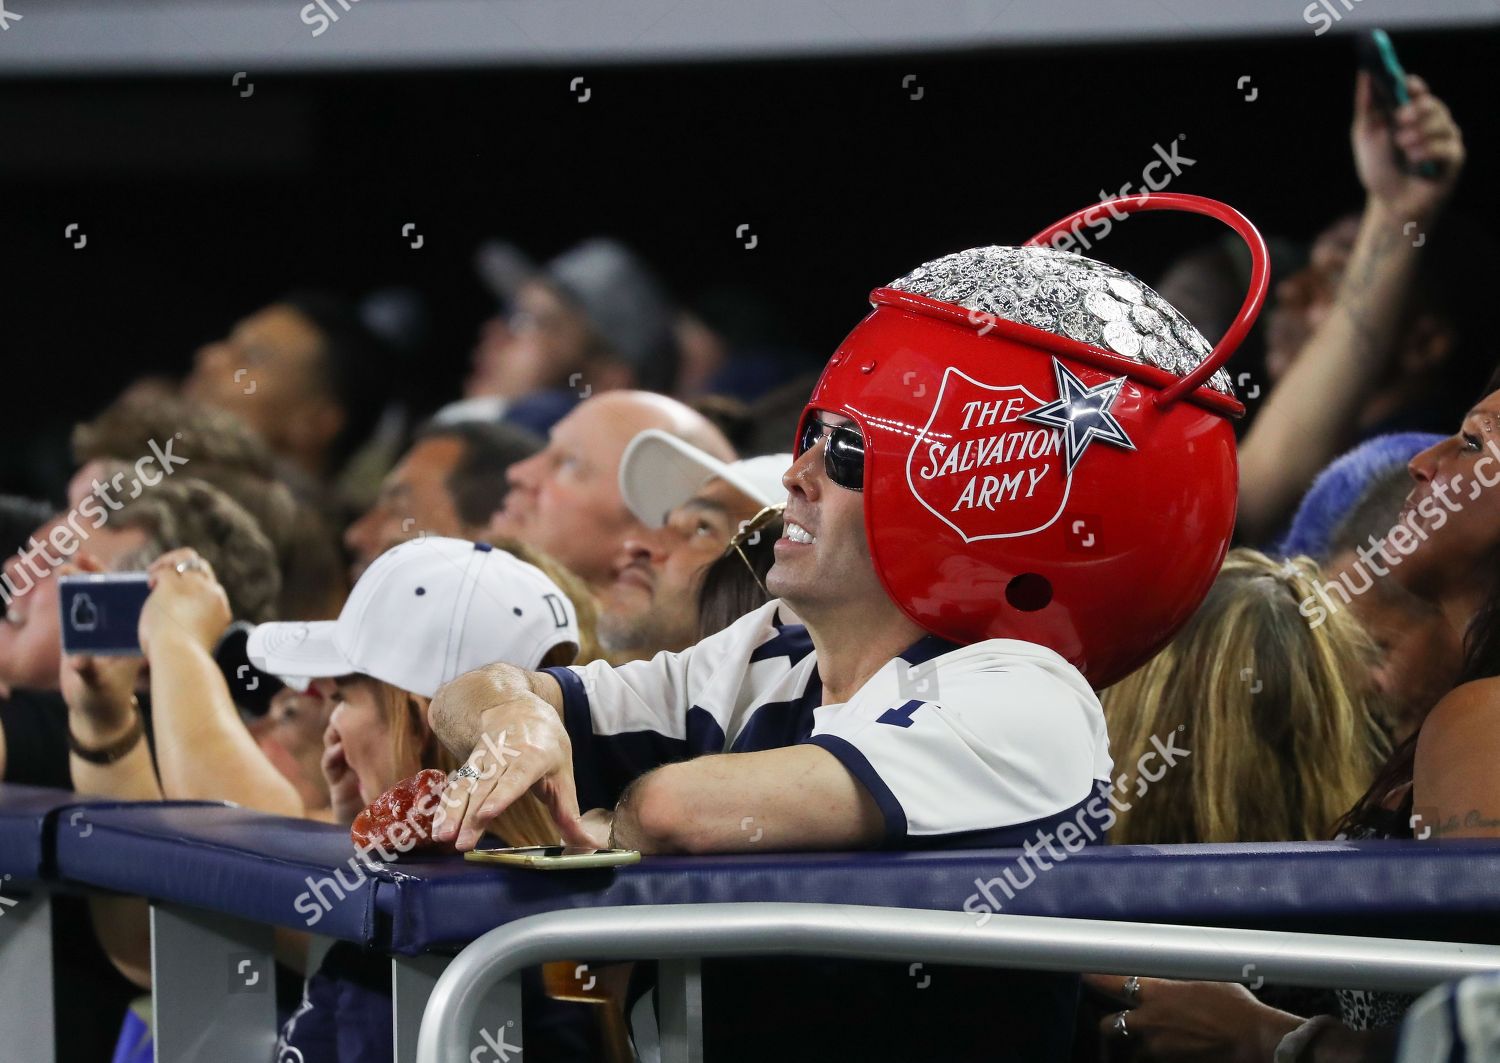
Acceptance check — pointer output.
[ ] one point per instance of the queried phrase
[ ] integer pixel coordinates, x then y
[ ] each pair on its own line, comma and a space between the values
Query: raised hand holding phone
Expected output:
1409, 159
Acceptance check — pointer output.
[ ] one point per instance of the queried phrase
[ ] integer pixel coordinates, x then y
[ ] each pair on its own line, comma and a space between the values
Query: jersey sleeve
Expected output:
998, 752
625, 720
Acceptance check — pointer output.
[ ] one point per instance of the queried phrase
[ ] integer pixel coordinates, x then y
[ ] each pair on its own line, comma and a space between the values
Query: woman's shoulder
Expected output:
1464, 707
1462, 723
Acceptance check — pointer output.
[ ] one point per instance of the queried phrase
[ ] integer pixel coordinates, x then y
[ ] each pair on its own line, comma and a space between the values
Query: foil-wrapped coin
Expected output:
1058, 293
1123, 289
954, 292
1068, 295
1084, 328
1085, 280
1146, 320
1039, 315
1102, 306
1122, 339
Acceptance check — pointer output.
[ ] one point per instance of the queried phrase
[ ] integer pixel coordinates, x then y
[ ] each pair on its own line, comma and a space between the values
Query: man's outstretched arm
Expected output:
797, 797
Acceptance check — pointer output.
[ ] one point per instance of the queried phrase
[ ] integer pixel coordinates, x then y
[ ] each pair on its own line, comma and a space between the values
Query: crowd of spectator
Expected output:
605, 495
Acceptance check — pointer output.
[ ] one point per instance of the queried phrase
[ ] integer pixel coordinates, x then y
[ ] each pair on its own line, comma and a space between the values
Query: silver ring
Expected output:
1132, 990
191, 564
468, 771
1119, 1027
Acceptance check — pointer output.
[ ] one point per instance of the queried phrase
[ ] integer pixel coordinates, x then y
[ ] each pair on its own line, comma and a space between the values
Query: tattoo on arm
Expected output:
1473, 819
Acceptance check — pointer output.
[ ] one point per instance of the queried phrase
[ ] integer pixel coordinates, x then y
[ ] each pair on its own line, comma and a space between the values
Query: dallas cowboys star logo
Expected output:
1082, 414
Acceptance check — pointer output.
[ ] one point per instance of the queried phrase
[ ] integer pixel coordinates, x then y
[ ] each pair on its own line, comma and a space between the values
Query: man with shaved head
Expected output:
566, 500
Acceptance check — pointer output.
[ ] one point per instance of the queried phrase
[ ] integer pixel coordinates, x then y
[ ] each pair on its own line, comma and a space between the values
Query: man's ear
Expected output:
1429, 342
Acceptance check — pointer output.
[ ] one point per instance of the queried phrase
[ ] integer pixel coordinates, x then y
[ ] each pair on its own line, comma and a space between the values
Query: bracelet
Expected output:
117, 749
1295, 1044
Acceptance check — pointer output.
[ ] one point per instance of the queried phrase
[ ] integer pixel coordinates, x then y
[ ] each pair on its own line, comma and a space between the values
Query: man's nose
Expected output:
645, 544
804, 475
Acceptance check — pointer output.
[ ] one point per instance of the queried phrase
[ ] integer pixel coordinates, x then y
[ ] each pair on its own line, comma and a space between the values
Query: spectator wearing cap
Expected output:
690, 505
450, 482
595, 318
425, 611
565, 500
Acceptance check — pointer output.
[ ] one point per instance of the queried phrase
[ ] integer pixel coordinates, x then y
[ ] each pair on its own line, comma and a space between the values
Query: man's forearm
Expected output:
203, 750
796, 797
1309, 413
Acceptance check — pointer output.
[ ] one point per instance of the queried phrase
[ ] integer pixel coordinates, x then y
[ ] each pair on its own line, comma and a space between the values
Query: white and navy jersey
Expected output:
960, 746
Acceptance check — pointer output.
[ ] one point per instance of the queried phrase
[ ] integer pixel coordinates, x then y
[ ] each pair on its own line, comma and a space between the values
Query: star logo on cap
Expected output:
1082, 414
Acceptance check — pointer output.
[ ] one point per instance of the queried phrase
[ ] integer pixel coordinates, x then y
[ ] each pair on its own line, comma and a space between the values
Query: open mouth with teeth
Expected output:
798, 534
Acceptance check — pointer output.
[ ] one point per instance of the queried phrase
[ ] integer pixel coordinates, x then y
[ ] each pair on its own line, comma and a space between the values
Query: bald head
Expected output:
566, 500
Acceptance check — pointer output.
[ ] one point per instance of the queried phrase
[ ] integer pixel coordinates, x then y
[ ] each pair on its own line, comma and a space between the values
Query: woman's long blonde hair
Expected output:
526, 822
1277, 714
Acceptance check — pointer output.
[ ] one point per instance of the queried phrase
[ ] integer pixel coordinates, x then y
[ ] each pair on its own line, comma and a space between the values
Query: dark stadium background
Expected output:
199, 204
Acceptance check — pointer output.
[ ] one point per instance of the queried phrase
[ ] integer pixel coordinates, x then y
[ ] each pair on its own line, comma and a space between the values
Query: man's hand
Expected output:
519, 745
189, 604
1423, 131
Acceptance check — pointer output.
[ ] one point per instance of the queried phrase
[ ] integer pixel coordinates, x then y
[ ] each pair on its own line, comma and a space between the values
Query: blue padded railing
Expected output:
27, 815
255, 867
301, 874
1438, 890
1100, 902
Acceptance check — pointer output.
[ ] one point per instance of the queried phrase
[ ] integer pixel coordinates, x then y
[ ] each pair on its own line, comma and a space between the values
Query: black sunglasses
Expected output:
843, 454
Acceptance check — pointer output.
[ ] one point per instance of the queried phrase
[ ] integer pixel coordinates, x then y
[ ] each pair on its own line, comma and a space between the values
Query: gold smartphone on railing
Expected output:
555, 857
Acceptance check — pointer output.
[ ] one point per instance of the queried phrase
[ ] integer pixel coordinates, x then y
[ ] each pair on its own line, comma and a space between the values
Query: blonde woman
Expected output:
1277, 714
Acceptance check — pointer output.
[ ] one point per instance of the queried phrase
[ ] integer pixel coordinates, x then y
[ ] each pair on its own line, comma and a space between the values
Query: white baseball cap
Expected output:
659, 472
423, 613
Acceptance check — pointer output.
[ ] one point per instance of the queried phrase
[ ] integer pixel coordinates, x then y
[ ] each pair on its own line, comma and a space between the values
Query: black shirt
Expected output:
35, 723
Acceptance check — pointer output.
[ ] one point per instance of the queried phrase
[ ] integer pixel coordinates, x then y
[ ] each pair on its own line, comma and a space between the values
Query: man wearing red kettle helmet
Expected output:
987, 477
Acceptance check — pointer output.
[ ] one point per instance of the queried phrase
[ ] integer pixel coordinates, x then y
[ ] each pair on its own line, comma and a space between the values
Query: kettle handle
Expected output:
1260, 270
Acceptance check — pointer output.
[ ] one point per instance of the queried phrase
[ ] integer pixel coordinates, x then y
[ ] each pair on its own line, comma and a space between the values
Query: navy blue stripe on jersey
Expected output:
926, 648
790, 641
777, 724
1090, 818
603, 765
1091, 814
586, 769
855, 764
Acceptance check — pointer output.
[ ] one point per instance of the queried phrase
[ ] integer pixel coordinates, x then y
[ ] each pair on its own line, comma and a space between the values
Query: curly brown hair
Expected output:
188, 512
